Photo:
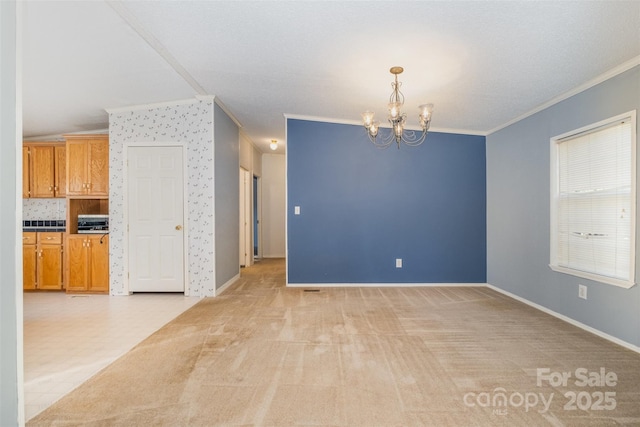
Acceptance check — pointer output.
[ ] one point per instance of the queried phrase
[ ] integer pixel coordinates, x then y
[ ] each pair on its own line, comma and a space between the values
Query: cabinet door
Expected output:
49, 266
25, 172
99, 263
60, 178
42, 171
77, 277
29, 266
76, 168
98, 167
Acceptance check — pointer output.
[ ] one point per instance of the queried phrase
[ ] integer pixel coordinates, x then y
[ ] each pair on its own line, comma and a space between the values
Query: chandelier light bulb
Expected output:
373, 129
425, 110
367, 118
394, 110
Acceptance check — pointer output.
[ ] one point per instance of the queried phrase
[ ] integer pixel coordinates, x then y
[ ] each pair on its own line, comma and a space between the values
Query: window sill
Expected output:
626, 284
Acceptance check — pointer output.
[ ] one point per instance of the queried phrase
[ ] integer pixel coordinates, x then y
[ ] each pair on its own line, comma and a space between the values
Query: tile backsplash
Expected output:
58, 225
44, 209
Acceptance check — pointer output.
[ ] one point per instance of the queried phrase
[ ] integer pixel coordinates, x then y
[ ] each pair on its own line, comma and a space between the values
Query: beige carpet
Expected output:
263, 354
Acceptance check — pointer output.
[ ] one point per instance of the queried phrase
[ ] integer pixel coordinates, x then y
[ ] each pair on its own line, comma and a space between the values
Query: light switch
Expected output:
296, 210
398, 262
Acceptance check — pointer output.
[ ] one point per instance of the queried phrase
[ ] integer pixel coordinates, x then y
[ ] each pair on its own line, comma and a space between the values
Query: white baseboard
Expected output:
383, 285
224, 287
568, 320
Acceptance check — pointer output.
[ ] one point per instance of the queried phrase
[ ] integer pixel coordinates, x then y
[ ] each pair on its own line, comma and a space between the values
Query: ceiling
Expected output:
482, 63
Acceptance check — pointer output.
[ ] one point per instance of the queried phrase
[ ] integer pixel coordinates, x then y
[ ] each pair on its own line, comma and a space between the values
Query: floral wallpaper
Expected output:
188, 123
44, 209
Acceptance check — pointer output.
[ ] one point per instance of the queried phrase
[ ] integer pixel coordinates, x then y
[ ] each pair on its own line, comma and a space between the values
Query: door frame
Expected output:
245, 208
256, 215
185, 208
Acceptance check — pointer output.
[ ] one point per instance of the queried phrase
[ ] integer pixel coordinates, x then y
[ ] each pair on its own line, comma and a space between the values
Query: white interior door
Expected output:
156, 219
245, 219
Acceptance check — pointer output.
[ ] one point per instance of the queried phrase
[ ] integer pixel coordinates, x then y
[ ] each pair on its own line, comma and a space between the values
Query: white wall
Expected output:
246, 152
273, 205
11, 367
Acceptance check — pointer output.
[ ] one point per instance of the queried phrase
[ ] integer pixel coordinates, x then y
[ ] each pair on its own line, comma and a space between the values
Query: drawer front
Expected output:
29, 238
50, 238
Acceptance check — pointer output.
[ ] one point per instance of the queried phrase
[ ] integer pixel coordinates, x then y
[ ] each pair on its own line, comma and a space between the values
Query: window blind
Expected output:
595, 222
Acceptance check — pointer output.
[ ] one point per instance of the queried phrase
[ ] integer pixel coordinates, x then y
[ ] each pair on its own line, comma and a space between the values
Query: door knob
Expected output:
178, 227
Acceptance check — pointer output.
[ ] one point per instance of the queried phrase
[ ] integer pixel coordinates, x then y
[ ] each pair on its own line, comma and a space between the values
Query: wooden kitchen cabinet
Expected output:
42, 261
88, 263
25, 172
44, 170
60, 175
29, 261
87, 159
49, 261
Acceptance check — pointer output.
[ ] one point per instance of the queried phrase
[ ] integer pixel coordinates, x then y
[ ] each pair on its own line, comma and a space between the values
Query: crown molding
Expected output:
61, 136
385, 125
626, 66
223, 107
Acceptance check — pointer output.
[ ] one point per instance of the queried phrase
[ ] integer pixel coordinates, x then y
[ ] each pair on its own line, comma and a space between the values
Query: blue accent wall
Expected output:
362, 207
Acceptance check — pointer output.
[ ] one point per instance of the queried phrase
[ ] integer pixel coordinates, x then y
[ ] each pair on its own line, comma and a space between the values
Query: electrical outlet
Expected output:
398, 262
582, 291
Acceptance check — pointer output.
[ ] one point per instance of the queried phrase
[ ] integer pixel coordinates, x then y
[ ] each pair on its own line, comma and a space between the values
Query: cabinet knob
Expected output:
178, 227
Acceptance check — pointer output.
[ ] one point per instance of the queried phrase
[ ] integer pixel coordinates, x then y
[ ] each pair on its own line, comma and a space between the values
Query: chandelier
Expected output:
397, 120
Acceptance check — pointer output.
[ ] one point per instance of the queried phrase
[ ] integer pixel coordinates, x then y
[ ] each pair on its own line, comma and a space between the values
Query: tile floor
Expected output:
69, 338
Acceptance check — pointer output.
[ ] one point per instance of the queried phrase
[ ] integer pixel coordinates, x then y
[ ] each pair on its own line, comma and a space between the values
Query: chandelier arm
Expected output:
410, 137
380, 141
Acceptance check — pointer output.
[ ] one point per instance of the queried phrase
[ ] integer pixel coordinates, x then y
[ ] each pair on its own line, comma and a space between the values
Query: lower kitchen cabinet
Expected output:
88, 263
29, 260
42, 261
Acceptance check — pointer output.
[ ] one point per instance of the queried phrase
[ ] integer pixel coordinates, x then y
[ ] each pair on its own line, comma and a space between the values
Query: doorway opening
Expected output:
245, 218
256, 219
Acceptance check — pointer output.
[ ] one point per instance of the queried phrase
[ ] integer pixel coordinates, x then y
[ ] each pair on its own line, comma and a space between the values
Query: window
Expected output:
593, 201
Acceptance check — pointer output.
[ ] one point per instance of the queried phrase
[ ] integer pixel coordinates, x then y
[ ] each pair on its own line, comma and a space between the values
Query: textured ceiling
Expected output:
482, 63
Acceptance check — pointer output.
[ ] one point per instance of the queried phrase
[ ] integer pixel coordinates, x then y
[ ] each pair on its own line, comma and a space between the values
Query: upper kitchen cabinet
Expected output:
87, 165
25, 172
44, 170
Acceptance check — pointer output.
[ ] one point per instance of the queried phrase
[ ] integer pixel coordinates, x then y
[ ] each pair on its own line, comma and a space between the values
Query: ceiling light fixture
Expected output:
397, 119
274, 144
